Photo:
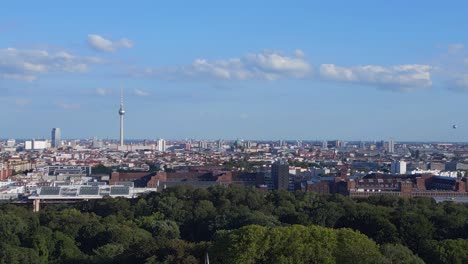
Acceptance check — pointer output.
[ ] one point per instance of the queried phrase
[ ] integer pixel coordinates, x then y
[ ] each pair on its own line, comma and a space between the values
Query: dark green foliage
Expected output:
293, 244
236, 225
373, 221
446, 251
17, 255
399, 254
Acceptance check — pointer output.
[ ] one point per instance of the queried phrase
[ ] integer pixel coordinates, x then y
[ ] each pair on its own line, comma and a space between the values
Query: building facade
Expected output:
280, 175
398, 167
56, 137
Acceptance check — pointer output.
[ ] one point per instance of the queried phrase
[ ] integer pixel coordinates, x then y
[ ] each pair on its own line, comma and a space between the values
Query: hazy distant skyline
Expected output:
360, 70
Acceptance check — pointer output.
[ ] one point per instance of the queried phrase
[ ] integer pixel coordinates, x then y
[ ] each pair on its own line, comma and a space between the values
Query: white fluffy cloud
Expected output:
28, 64
405, 76
101, 44
139, 92
265, 65
299, 53
274, 65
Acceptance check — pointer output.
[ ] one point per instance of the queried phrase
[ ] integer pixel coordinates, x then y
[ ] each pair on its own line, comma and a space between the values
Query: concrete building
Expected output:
203, 144
10, 143
161, 145
398, 167
5, 172
56, 137
97, 143
324, 144
336, 143
28, 145
405, 186
391, 146
454, 166
280, 175
437, 166
40, 144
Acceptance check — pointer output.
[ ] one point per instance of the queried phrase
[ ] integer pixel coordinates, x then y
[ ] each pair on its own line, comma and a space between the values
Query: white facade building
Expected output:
40, 144
161, 145
10, 143
28, 145
398, 167
391, 146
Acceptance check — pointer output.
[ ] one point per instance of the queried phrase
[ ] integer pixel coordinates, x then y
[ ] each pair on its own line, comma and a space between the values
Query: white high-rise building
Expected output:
324, 144
28, 145
161, 145
40, 144
299, 143
398, 167
10, 143
391, 146
203, 144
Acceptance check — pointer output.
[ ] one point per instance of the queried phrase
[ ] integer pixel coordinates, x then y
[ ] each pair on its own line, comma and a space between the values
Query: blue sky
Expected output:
352, 70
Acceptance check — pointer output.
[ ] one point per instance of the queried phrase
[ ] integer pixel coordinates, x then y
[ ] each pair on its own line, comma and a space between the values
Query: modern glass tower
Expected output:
56, 137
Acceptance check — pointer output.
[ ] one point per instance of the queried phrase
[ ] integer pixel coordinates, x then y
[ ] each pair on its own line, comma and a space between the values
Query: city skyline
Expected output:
244, 70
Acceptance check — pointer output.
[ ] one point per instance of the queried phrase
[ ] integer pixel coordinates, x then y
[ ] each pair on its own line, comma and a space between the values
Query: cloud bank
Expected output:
263, 66
406, 76
267, 65
274, 65
26, 65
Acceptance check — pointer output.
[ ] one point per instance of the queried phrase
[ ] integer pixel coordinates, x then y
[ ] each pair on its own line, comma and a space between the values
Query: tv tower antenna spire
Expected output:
121, 114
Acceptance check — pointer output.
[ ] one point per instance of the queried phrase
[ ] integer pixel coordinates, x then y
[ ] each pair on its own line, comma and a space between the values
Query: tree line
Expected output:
237, 225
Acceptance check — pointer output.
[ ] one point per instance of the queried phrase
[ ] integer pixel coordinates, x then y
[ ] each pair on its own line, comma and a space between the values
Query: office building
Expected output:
336, 143
56, 139
28, 145
299, 143
97, 143
10, 143
398, 167
280, 175
39, 144
203, 144
161, 145
281, 143
324, 144
391, 146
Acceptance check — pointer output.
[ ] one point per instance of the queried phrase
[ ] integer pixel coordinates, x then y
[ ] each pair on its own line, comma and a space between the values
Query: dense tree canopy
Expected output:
236, 225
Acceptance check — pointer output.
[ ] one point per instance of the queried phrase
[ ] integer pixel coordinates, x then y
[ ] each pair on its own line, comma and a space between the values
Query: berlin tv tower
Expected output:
121, 114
